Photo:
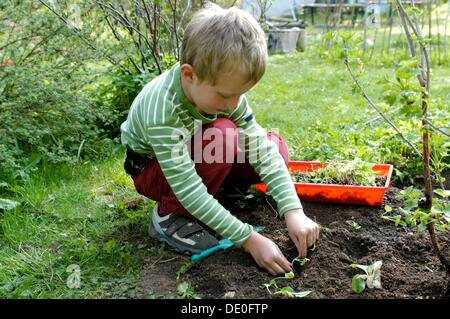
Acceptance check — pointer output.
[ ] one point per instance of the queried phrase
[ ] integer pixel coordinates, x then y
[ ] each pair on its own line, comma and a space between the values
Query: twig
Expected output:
84, 39
435, 128
274, 210
379, 111
379, 117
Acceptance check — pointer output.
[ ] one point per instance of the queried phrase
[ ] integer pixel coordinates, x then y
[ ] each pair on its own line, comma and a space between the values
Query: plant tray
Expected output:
330, 193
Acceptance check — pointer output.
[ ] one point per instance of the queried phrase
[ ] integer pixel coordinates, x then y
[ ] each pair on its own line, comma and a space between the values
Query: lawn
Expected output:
90, 216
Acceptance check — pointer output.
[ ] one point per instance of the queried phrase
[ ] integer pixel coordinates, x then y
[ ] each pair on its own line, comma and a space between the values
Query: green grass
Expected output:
74, 215
77, 214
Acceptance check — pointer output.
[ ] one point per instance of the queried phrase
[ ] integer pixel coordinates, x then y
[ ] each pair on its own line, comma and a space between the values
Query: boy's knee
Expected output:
280, 142
220, 141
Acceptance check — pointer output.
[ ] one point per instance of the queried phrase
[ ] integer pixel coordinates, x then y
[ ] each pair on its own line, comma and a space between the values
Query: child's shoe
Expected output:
182, 233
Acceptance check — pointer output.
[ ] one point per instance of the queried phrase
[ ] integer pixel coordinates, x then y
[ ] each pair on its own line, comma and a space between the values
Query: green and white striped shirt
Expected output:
161, 122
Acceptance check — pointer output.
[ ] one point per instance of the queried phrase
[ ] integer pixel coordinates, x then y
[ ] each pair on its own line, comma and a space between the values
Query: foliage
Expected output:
60, 99
333, 123
336, 46
414, 215
184, 288
45, 112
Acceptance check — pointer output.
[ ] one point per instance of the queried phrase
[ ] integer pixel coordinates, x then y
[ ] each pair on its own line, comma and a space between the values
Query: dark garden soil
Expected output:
409, 270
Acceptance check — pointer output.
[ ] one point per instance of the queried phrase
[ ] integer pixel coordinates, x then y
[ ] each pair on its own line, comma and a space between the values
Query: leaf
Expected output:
405, 192
289, 291
373, 279
359, 283
442, 193
363, 267
387, 208
8, 204
353, 224
182, 287
329, 35
289, 275
35, 158
301, 294
397, 219
447, 213
79, 150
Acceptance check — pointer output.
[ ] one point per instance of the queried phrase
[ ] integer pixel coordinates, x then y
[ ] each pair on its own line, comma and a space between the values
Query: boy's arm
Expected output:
264, 156
169, 145
268, 163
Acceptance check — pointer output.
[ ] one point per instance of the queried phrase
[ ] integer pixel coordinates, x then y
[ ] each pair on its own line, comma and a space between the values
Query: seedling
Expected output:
285, 291
371, 278
354, 224
325, 231
302, 261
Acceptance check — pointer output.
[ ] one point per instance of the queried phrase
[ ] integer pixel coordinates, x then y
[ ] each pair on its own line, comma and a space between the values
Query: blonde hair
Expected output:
220, 40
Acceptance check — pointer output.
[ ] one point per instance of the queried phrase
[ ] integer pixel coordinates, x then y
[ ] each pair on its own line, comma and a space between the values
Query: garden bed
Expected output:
409, 270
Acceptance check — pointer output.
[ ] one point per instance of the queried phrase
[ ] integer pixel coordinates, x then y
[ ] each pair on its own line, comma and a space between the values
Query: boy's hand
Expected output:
267, 254
303, 231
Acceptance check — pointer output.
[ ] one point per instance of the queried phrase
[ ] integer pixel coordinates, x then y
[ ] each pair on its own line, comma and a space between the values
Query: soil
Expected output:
410, 269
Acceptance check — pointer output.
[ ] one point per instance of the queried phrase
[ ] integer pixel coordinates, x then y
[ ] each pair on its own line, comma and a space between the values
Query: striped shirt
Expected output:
161, 122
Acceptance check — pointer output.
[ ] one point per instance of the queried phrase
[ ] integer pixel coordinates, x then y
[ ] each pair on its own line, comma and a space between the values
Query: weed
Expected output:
184, 288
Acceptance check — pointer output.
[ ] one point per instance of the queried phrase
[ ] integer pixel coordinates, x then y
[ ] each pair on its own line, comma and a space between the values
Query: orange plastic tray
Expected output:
345, 194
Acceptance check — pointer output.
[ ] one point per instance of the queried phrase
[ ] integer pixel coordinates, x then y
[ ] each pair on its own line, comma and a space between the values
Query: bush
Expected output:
45, 111
66, 88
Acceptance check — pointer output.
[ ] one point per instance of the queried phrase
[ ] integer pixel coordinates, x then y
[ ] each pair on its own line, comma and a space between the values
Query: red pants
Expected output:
153, 184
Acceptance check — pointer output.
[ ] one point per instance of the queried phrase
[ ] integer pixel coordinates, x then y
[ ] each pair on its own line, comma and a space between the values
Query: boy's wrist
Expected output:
293, 212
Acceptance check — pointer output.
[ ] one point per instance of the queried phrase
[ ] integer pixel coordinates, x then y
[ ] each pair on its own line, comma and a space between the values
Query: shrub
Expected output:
45, 110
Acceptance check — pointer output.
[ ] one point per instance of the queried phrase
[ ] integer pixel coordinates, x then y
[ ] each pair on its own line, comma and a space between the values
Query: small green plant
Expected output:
414, 215
287, 290
371, 278
186, 291
325, 231
352, 223
184, 288
302, 261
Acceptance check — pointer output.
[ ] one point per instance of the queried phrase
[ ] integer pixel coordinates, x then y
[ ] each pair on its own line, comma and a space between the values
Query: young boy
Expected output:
191, 131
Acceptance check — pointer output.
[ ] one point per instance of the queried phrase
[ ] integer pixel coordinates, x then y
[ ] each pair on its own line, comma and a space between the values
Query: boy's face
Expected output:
212, 99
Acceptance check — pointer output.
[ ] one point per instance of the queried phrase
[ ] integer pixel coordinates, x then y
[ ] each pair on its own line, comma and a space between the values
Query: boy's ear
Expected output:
187, 72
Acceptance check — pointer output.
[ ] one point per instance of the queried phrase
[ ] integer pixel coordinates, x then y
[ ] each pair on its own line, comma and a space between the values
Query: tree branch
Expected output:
435, 128
380, 112
83, 38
